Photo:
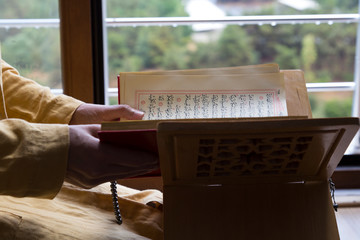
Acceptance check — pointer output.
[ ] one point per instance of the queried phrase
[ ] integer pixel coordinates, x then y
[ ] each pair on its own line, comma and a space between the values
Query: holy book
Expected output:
237, 92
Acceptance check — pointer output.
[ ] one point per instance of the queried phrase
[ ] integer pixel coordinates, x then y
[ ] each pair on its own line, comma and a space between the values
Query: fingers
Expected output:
95, 114
91, 162
122, 112
84, 131
92, 129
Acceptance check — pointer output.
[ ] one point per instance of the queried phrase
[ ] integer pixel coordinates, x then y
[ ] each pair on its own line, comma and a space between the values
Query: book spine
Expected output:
118, 83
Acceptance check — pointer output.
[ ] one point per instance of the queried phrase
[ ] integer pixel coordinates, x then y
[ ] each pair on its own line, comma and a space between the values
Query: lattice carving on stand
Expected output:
252, 156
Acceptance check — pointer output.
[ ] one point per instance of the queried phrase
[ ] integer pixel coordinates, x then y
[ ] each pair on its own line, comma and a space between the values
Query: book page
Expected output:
204, 96
249, 69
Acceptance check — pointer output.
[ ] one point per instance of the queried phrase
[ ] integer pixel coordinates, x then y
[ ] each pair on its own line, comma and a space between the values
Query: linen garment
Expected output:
33, 153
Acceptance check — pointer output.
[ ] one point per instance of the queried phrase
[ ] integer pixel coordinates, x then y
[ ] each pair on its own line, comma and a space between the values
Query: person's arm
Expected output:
32, 158
39, 156
25, 99
36, 158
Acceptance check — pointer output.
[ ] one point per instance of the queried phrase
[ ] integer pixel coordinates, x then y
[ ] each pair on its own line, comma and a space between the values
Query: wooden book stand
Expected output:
263, 179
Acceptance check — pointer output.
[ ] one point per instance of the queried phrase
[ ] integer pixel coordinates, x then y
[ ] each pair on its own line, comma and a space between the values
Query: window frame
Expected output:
77, 49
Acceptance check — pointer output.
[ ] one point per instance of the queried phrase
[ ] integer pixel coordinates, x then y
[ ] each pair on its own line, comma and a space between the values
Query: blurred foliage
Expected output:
234, 47
29, 9
331, 104
336, 108
145, 8
35, 52
309, 56
325, 51
335, 6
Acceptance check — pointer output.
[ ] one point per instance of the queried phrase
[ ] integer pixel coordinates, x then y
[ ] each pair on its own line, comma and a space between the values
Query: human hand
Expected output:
92, 163
93, 113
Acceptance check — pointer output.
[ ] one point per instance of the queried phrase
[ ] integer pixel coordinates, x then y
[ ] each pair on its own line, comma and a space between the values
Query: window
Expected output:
30, 39
316, 36
145, 35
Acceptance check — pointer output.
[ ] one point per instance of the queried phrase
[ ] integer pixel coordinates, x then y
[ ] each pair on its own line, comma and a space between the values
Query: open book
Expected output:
244, 92
237, 92
247, 93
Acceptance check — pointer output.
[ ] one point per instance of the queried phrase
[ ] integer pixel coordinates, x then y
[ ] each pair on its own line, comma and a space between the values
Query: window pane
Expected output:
35, 50
145, 8
331, 104
325, 51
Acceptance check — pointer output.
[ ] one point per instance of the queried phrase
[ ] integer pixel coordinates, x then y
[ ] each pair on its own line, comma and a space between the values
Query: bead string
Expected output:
115, 202
332, 192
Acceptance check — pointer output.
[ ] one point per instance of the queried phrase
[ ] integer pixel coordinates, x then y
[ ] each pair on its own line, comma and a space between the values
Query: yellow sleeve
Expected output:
32, 158
25, 99
33, 155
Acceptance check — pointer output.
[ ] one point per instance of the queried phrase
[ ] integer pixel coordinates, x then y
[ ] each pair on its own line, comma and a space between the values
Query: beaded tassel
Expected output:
115, 202
332, 192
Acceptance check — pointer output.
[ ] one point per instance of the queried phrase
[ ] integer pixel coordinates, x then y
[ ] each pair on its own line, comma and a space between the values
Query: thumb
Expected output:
88, 129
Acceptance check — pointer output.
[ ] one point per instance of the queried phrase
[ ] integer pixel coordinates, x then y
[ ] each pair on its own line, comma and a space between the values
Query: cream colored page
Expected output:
205, 96
251, 69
